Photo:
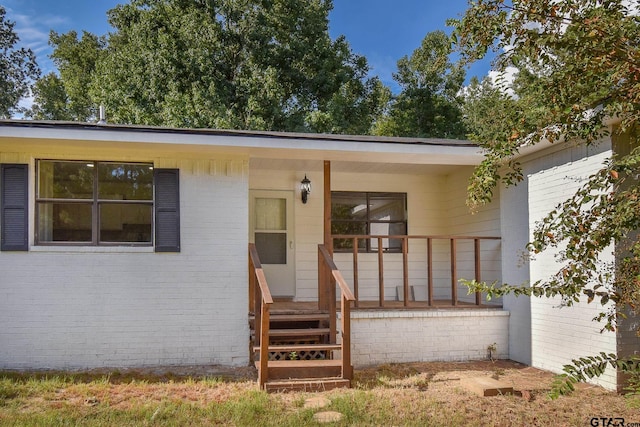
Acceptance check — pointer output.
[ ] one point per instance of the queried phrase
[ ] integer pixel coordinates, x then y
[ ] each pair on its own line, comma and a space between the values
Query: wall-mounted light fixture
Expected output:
305, 188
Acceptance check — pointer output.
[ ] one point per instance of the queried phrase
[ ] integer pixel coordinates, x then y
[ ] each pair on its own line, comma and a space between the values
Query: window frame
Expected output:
368, 195
95, 202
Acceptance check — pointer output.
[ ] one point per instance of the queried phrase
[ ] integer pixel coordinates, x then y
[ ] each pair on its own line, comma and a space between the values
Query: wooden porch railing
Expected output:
260, 301
328, 277
404, 250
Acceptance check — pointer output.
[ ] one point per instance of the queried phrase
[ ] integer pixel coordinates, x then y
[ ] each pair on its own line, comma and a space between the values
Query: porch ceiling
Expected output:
352, 167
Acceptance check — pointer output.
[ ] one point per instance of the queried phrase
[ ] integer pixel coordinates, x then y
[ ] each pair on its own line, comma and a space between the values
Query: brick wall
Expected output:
559, 334
64, 308
427, 335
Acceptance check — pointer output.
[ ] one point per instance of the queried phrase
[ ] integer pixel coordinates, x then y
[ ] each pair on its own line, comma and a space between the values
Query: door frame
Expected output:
273, 273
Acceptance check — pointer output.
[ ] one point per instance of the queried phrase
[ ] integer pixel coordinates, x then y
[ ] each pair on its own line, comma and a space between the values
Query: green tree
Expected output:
18, 68
429, 103
50, 100
579, 65
243, 64
76, 59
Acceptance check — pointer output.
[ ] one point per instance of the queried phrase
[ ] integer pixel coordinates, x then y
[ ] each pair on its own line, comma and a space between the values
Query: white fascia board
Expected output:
264, 146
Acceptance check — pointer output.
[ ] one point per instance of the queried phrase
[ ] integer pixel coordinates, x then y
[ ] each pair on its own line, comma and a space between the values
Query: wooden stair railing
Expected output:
328, 277
260, 302
290, 373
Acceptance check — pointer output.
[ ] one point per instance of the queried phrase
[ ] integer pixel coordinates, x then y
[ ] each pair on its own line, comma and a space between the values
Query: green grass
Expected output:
391, 395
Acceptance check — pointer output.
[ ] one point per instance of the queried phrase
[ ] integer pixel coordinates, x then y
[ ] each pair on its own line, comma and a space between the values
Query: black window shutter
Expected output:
167, 210
14, 203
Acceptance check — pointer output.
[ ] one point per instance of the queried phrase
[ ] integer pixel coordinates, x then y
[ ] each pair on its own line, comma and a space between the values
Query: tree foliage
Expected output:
579, 67
429, 103
50, 100
18, 68
66, 96
245, 64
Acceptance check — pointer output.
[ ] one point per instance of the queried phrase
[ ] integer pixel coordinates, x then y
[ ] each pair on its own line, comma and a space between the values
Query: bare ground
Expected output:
408, 391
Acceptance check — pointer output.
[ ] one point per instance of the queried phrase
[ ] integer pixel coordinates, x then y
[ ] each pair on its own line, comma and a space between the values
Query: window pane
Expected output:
65, 180
271, 214
64, 222
121, 222
378, 214
392, 229
344, 227
348, 205
387, 207
272, 247
125, 181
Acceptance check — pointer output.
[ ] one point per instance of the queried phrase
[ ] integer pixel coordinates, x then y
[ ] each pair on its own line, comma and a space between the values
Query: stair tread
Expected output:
306, 380
306, 384
298, 317
282, 317
302, 363
300, 331
300, 347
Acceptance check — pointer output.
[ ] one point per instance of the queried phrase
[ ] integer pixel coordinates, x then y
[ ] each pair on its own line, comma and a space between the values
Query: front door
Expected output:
271, 229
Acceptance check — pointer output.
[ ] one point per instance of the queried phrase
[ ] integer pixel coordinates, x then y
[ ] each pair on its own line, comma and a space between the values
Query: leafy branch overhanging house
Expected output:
130, 246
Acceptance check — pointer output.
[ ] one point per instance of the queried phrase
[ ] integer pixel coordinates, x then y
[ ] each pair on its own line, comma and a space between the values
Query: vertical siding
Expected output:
559, 334
91, 307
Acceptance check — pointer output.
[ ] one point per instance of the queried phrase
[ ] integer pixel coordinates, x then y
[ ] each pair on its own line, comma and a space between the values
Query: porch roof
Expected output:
259, 146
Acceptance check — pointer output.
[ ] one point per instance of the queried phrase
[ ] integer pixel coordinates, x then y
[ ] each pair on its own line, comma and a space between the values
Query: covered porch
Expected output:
377, 288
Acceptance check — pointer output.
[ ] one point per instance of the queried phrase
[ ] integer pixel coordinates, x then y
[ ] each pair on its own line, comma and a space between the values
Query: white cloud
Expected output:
504, 79
33, 31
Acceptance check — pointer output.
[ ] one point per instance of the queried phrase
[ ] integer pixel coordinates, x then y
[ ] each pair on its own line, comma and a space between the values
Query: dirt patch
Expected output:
393, 394
423, 373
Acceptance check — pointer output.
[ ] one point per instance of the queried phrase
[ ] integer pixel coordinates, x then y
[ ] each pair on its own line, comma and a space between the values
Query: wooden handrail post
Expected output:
355, 270
454, 273
323, 302
430, 271
405, 270
263, 372
345, 310
328, 240
252, 287
380, 273
333, 322
476, 253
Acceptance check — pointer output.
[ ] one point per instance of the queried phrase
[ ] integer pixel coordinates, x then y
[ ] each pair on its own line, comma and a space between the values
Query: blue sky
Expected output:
381, 30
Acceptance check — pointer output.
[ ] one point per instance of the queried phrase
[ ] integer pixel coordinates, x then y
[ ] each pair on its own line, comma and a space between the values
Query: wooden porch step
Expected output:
307, 332
304, 312
294, 320
303, 369
287, 348
298, 317
306, 385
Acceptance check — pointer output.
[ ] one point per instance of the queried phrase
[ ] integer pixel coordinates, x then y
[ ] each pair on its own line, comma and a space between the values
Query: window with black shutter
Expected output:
102, 203
94, 203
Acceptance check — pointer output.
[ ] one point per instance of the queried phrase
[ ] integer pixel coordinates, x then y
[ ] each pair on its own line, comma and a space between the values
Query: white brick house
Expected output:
126, 246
